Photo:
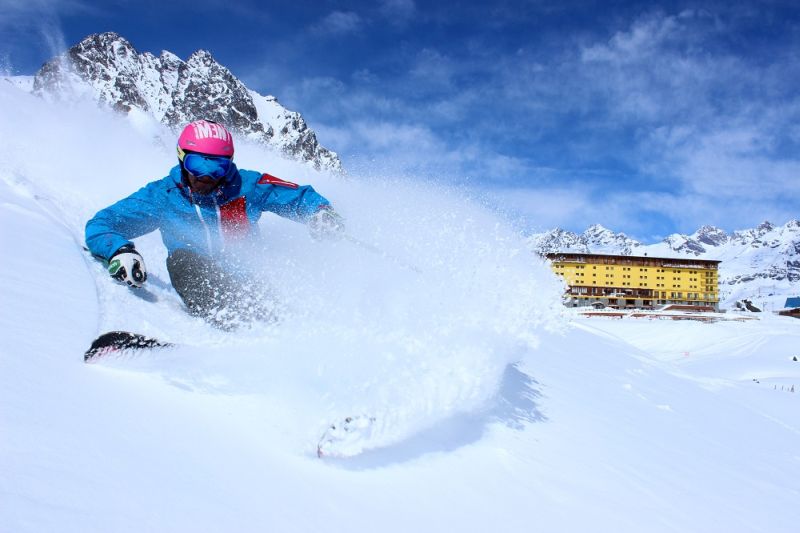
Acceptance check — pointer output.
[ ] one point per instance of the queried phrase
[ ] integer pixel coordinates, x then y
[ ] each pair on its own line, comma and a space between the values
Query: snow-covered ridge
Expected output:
761, 263
108, 68
596, 239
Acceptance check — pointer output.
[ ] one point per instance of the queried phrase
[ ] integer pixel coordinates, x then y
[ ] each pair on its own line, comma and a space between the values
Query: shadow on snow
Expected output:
515, 405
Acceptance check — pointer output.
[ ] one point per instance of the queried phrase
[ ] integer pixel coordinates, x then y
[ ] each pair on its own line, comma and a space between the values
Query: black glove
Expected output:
325, 224
127, 266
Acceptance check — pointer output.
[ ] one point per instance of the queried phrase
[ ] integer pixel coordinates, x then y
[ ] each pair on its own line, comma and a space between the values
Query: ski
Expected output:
119, 341
346, 438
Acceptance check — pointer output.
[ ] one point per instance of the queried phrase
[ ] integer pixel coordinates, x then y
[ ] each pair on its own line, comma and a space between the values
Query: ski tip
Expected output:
117, 341
346, 438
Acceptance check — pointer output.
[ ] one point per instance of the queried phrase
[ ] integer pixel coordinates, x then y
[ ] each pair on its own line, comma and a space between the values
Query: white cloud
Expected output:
542, 208
710, 124
385, 135
29, 13
398, 12
689, 210
723, 174
433, 69
26, 24
645, 38
656, 70
365, 76
339, 23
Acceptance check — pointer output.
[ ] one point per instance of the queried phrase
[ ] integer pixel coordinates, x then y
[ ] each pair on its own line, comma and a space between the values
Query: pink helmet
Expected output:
205, 137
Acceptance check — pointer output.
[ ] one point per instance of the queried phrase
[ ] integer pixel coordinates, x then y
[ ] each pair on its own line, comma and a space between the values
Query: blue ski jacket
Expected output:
203, 223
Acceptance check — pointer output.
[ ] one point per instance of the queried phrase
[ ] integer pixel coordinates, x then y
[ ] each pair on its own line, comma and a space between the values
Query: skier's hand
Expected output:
127, 266
326, 224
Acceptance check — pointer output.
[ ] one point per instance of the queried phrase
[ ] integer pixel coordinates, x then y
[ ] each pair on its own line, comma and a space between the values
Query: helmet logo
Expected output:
210, 130
206, 137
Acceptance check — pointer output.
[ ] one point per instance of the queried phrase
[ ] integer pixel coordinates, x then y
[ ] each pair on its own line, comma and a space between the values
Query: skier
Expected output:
206, 208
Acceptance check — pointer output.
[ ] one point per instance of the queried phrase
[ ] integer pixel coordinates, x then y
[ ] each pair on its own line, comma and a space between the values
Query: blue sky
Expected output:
648, 118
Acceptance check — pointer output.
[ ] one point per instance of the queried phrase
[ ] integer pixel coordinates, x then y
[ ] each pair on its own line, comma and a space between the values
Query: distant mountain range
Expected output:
761, 264
108, 68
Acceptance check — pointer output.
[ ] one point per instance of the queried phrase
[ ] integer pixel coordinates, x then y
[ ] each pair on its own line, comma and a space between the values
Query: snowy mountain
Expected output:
106, 67
596, 239
760, 264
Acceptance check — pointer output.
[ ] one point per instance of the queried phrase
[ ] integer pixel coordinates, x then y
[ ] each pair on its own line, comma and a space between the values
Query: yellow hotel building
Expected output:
623, 281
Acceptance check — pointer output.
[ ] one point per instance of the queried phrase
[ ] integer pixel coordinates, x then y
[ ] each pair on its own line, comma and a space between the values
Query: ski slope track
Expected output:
495, 409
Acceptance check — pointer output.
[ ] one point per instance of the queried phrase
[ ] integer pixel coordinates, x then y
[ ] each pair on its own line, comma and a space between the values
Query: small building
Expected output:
623, 281
791, 308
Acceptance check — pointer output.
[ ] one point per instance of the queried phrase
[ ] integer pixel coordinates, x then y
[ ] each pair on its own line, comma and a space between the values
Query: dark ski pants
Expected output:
224, 299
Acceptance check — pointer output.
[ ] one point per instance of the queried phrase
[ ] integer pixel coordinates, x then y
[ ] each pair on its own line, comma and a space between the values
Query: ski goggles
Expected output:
199, 165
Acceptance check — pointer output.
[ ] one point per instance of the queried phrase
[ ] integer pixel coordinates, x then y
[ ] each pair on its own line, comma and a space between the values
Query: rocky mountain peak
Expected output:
604, 240
176, 92
598, 231
168, 57
596, 239
765, 226
756, 237
201, 56
557, 240
105, 42
711, 235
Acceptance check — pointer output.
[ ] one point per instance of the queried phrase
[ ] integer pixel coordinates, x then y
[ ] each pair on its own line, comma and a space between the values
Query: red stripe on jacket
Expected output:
267, 179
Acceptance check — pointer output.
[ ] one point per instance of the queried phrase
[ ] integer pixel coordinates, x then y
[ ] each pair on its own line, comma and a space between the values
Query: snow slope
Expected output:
496, 411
